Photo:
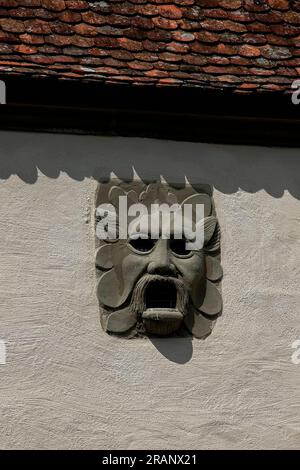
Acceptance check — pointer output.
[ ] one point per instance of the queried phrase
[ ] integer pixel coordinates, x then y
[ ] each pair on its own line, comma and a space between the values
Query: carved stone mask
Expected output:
158, 286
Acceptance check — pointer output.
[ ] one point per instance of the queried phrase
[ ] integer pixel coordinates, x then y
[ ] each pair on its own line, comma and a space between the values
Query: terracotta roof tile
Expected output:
246, 45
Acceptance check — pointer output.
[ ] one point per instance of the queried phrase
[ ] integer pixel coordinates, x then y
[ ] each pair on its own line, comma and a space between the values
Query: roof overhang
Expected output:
177, 113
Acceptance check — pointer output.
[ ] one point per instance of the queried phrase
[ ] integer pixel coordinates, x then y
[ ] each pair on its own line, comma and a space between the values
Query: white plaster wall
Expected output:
66, 384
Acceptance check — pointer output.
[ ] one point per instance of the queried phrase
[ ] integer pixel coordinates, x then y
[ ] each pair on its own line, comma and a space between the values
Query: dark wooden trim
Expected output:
187, 114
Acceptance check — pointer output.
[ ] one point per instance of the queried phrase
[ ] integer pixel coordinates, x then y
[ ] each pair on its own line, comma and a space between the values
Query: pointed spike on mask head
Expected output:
114, 178
162, 180
187, 183
136, 178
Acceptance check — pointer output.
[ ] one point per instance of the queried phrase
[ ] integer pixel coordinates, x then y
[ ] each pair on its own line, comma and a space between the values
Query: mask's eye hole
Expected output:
142, 244
179, 247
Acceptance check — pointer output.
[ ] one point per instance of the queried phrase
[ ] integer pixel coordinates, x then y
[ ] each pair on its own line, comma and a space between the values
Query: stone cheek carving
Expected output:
157, 287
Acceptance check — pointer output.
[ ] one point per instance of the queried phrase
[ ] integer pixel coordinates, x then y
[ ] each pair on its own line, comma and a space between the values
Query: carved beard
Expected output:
159, 303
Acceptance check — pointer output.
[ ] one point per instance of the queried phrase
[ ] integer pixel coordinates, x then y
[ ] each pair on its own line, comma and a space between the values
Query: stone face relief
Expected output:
159, 287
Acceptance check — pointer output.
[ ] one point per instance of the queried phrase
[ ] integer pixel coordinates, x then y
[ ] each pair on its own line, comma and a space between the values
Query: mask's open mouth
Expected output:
161, 315
161, 294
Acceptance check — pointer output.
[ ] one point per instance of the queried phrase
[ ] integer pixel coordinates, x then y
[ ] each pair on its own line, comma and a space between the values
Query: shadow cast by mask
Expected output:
178, 350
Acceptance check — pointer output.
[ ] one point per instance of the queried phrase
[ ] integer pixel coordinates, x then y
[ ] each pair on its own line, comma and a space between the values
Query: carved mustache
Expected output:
154, 291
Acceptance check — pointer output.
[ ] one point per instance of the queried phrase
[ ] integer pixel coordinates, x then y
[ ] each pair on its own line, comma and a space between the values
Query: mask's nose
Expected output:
160, 262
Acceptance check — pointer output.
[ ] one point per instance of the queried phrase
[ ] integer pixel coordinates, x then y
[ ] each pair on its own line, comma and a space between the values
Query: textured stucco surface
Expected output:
66, 383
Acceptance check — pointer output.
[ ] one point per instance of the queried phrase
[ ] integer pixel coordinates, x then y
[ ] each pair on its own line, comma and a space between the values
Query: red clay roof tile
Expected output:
246, 45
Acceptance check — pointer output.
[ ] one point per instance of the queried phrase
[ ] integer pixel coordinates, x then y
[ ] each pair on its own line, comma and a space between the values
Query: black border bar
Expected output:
140, 458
